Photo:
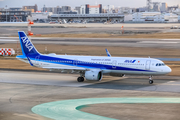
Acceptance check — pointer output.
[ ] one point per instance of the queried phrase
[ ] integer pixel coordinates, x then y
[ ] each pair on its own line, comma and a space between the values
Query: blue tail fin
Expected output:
108, 54
26, 45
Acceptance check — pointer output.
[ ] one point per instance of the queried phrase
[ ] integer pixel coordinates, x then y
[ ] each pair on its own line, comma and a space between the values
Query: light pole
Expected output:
108, 12
58, 17
6, 13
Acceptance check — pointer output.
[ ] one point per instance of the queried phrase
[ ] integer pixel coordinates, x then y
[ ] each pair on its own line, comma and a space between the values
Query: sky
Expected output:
74, 3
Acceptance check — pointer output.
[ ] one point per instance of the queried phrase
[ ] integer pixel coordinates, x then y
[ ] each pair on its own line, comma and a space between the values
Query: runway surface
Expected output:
21, 91
96, 25
12, 31
153, 43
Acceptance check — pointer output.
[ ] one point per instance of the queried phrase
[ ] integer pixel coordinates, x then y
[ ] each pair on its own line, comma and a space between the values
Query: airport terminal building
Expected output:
154, 17
103, 17
14, 16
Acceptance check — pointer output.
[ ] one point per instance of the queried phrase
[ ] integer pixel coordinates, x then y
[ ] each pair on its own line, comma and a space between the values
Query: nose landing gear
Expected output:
151, 80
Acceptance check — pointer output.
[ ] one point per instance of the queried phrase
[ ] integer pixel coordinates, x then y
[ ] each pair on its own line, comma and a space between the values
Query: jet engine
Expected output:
95, 75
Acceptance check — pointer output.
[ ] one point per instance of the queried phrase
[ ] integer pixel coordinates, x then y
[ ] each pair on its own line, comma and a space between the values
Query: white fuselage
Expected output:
117, 65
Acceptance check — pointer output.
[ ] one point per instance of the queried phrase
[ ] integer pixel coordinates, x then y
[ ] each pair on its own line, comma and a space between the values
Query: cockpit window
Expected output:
160, 64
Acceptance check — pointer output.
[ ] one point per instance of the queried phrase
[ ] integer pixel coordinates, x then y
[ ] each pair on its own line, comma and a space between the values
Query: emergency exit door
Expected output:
148, 63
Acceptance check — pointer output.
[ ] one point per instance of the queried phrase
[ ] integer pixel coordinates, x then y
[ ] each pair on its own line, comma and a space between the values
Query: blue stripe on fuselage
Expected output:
55, 60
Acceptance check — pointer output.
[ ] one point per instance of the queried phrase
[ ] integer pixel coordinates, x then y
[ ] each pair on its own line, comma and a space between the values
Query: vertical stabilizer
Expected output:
26, 45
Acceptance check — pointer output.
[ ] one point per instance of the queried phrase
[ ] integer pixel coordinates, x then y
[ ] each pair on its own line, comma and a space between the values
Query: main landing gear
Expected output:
80, 79
150, 80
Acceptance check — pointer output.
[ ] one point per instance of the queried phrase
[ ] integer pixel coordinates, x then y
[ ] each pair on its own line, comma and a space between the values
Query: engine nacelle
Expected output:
95, 75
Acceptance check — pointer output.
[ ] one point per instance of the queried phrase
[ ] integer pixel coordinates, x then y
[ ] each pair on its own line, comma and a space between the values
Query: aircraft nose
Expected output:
168, 69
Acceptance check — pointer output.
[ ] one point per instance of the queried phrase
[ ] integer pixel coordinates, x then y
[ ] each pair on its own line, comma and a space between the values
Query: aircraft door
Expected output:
114, 64
148, 63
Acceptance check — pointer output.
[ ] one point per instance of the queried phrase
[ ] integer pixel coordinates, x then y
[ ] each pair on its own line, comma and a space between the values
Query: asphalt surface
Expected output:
153, 43
20, 91
45, 28
95, 25
4, 32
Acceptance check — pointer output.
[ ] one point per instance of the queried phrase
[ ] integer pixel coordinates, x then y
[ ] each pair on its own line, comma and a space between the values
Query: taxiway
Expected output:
21, 91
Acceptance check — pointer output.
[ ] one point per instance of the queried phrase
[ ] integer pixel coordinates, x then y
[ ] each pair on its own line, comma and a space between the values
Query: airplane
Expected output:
91, 67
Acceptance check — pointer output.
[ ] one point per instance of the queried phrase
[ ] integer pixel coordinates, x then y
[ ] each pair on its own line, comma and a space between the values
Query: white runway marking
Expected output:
8, 37
158, 42
40, 38
170, 39
7, 40
171, 81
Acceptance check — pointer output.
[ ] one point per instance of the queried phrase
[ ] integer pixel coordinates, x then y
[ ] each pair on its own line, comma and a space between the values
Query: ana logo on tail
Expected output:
27, 43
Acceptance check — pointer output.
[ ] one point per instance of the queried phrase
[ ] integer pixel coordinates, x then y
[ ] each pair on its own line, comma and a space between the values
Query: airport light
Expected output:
29, 27
6, 13
31, 23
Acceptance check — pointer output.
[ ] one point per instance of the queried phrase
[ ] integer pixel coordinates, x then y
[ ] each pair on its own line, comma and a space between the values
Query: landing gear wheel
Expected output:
151, 82
80, 79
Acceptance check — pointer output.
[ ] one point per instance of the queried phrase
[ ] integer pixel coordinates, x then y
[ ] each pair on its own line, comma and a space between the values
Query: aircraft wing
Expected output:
66, 68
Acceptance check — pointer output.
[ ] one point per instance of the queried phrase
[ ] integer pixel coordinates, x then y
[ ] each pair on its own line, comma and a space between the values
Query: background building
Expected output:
154, 17
68, 12
156, 6
78, 9
31, 8
41, 16
170, 17
57, 10
177, 11
83, 9
88, 9
15, 9
14, 16
104, 11
48, 9
2, 9
142, 9
164, 7
179, 6
66, 8
125, 10
172, 8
